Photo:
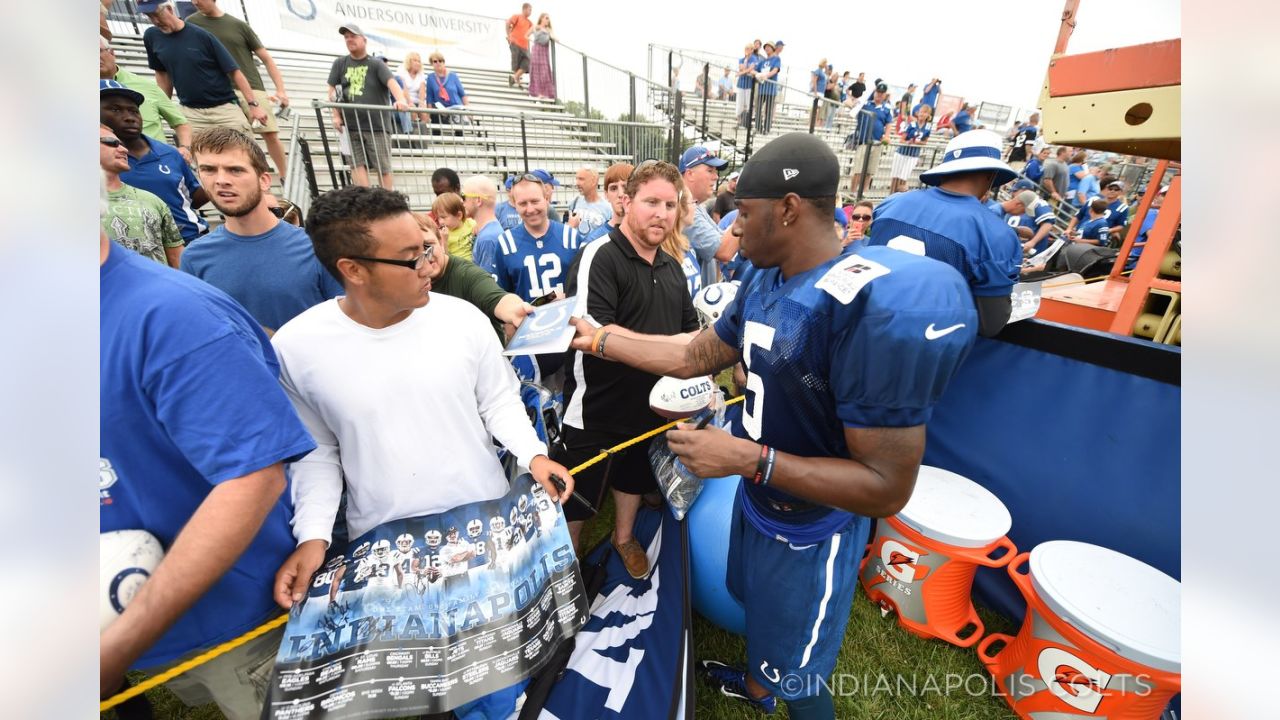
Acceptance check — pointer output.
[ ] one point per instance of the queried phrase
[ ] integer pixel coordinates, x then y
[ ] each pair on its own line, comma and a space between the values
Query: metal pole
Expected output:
555, 67
813, 115
677, 132
751, 112
244, 11
670, 69
324, 140
133, 15
524, 143
309, 167
706, 78
635, 134
586, 89
866, 163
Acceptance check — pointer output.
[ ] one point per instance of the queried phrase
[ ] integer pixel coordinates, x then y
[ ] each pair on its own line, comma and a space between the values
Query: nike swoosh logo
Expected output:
931, 333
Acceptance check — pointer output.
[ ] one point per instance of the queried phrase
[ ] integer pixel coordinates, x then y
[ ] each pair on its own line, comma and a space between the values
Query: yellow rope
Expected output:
270, 625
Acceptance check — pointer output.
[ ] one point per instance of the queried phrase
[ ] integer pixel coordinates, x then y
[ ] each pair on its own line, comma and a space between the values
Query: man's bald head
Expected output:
481, 189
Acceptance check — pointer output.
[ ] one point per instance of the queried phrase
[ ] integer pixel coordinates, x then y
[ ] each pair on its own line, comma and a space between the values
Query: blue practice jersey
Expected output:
867, 339
1096, 229
955, 229
508, 216
913, 132
1117, 212
532, 267
1008, 218
692, 272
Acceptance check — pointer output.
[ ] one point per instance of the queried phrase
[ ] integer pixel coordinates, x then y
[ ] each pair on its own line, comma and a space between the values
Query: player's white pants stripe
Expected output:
826, 598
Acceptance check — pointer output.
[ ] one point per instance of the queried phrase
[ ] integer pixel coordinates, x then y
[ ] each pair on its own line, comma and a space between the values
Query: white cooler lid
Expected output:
955, 510
1122, 603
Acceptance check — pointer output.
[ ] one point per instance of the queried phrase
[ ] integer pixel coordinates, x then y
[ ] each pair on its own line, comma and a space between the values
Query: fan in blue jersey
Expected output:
1028, 215
1096, 230
947, 222
846, 354
1117, 209
914, 134
533, 256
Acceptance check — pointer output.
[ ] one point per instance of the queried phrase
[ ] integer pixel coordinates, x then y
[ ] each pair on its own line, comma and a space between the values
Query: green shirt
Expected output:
140, 221
465, 280
155, 105
238, 38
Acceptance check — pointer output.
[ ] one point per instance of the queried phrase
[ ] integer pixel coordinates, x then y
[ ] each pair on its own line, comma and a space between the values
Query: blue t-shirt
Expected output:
196, 62
913, 132
275, 275
1073, 182
508, 216
770, 86
451, 85
744, 81
961, 122
189, 398
532, 267
930, 96
1088, 187
955, 229
1034, 170
485, 247
815, 346
1096, 229
872, 120
164, 173
1117, 212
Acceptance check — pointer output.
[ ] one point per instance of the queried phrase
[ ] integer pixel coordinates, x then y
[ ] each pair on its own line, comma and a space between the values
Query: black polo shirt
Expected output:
622, 289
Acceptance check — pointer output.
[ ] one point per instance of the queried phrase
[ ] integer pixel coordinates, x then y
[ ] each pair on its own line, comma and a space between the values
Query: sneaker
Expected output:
732, 682
633, 557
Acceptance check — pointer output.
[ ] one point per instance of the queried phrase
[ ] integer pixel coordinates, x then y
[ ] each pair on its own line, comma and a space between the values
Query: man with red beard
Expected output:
266, 264
624, 279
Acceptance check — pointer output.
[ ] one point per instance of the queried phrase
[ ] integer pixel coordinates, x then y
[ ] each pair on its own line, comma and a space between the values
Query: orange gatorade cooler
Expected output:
922, 560
1100, 639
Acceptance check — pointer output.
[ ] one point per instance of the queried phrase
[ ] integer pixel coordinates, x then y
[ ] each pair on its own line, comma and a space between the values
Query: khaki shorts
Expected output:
877, 149
371, 150
1017, 165
226, 115
237, 681
264, 102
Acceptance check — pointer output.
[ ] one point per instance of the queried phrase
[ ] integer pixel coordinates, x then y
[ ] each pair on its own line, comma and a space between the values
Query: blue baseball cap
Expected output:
107, 88
546, 177
778, 44
842, 218
149, 6
511, 180
700, 155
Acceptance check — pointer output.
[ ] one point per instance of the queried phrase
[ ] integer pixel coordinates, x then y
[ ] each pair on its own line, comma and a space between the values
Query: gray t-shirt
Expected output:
593, 214
1056, 170
363, 82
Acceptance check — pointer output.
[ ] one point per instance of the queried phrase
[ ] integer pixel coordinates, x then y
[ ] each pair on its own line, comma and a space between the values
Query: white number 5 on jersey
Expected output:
761, 336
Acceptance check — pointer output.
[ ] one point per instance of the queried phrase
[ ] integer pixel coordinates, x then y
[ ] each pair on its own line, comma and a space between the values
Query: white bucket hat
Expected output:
971, 151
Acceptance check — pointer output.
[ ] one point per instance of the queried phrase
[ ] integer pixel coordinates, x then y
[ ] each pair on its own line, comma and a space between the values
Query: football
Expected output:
673, 398
712, 300
126, 559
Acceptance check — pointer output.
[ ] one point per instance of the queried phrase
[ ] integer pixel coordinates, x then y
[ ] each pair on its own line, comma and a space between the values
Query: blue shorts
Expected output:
797, 601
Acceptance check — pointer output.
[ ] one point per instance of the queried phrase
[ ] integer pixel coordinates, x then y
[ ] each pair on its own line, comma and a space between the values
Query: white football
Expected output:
674, 398
126, 559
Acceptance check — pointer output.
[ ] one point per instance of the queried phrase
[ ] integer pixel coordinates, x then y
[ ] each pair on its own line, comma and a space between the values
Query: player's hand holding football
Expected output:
712, 452
294, 575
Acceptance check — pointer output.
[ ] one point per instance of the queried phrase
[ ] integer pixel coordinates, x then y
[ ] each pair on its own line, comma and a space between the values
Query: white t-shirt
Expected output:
412, 84
405, 414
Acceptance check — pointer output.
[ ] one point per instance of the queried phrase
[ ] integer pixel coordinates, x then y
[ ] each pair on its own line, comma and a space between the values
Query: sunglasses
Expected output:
110, 142
433, 62
860, 218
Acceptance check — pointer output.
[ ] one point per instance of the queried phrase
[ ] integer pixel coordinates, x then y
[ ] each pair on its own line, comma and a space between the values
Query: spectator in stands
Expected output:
1034, 170
963, 120
818, 79
506, 211
1089, 186
193, 432
1013, 212
264, 263
699, 87
615, 184
155, 104
443, 88
518, 28
1095, 230
1117, 209
1043, 220
410, 77
746, 81
767, 79
1024, 138
135, 218
947, 222
908, 97
724, 87
700, 167
357, 78
386, 317
725, 198
929, 94
858, 87
588, 210
677, 244
1076, 171
242, 42
625, 281
190, 60
153, 165
869, 137
859, 215
479, 197
914, 134
451, 211
446, 180
1055, 176
463, 279
538, 241
549, 185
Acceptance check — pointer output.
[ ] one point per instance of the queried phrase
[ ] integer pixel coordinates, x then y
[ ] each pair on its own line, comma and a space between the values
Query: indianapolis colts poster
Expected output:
425, 614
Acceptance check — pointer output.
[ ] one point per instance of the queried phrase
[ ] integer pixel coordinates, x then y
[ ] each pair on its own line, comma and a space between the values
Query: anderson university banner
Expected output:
425, 614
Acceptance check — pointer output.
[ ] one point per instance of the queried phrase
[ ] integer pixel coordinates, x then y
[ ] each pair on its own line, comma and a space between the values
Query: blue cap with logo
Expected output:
700, 155
107, 88
546, 177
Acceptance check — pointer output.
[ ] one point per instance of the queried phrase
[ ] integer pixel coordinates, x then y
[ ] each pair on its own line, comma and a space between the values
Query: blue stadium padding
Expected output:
1075, 450
709, 521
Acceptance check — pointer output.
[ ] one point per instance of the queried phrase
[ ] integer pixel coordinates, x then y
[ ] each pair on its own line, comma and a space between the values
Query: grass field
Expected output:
874, 647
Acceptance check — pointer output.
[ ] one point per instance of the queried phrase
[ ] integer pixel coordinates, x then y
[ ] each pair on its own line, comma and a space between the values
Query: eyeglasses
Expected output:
110, 142
433, 62
860, 218
428, 253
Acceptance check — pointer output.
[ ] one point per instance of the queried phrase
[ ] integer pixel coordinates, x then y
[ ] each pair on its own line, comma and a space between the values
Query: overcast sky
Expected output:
982, 49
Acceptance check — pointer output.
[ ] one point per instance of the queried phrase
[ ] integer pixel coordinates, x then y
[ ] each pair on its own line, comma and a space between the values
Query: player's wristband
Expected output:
764, 466
603, 339
595, 341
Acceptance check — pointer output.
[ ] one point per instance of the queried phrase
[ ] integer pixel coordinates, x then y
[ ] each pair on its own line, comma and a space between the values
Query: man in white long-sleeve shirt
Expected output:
402, 390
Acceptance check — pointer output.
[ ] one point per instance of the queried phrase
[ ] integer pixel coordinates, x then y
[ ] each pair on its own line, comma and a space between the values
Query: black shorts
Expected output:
519, 57
629, 470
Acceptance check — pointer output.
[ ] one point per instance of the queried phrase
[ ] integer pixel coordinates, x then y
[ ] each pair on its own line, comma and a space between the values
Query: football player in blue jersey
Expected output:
846, 354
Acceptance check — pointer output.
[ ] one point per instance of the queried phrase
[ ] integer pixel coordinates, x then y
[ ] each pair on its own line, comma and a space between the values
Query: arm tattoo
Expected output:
708, 354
